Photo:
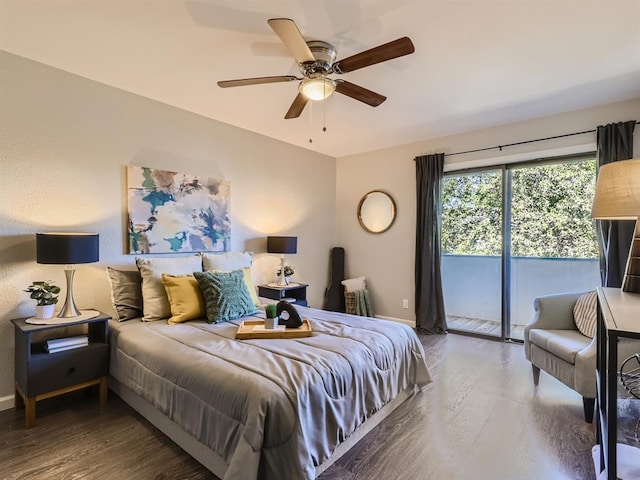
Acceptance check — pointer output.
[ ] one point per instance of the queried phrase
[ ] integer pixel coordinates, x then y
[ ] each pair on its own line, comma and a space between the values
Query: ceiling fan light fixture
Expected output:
317, 88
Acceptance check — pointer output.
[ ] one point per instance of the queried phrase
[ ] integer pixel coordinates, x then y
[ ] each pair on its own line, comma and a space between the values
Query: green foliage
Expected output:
550, 212
45, 293
271, 310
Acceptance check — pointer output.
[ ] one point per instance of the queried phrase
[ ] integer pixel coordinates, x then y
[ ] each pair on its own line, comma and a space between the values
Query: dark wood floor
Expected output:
480, 419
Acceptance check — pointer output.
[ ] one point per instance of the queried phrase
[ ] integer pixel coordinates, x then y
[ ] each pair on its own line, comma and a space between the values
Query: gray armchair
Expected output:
553, 343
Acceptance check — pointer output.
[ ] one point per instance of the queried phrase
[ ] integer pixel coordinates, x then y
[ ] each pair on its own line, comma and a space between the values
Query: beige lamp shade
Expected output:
618, 191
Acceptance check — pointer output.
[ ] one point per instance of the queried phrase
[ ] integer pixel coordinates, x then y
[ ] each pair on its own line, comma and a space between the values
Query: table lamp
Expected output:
282, 245
618, 198
67, 249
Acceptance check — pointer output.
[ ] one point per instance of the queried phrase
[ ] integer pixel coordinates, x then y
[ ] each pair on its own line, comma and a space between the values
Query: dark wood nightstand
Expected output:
41, 375
294, 293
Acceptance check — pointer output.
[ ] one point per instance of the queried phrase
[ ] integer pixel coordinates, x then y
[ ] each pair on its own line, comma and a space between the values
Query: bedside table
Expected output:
41, 375
293, 293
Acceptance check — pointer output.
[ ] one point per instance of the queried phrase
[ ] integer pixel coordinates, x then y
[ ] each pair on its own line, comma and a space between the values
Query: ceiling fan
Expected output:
316, 60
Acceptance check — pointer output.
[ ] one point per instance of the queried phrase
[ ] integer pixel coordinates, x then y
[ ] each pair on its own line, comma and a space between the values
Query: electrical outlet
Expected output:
405, 303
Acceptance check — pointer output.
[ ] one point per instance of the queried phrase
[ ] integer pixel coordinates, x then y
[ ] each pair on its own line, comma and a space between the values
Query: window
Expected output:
513, 233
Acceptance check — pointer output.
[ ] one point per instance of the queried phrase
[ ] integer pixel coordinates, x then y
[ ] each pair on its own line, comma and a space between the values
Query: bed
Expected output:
267, 409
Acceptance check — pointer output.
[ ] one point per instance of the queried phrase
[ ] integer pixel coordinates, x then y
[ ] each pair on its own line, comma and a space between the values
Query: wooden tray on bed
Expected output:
255, 329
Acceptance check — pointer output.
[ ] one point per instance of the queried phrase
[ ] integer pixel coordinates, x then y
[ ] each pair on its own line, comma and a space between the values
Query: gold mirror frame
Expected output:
384, 211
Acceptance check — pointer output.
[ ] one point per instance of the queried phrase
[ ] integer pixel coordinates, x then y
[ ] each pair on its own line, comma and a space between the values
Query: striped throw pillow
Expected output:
584, 313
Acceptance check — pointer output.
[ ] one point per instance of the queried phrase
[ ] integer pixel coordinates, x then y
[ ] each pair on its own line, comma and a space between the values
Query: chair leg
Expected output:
589, 406
536, 374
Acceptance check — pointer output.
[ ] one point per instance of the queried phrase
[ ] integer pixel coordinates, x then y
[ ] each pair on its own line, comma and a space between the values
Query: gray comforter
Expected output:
273, 409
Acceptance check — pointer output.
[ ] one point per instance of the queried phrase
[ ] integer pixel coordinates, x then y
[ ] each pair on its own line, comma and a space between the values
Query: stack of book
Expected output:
62, 344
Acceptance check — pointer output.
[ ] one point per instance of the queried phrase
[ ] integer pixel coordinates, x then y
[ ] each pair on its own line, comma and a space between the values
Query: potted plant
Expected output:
271, 312
46, 294
288, 271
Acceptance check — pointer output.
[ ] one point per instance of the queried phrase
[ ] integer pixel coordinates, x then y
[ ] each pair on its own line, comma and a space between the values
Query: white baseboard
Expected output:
411, 323
7, 402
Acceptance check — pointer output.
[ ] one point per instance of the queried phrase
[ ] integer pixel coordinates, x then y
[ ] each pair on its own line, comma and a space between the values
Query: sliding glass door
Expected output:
514, 233
471, 246
553, 242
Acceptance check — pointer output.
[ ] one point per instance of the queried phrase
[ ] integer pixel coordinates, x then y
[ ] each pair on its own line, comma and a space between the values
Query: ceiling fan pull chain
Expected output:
310, 121
324, 110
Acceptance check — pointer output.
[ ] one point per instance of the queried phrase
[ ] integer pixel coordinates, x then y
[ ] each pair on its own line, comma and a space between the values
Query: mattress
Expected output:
270, 408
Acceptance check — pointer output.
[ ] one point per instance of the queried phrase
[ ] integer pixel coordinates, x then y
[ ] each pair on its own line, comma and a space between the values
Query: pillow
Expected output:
154, 297
185, 298
225, 295
126, 293
226, 262
354, 284
248, 280
585, 313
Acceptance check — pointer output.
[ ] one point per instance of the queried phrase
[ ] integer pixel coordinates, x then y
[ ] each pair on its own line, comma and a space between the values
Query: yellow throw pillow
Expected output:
185, 298
248, 281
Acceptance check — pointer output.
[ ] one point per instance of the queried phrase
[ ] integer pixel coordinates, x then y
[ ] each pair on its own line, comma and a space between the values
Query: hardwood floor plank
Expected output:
481, 418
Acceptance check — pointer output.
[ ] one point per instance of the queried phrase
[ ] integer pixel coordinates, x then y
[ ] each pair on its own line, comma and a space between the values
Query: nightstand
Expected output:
41, 375
293, 293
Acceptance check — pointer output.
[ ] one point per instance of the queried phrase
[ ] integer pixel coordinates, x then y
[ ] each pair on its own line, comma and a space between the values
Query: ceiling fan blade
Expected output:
382, 53
256, 81
359, 93
297, 107
288, 32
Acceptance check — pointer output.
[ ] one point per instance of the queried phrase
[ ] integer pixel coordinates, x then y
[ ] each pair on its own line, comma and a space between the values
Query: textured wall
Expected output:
64, 144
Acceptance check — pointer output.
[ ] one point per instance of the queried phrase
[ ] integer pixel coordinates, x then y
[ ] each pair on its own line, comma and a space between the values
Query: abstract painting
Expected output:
173, 212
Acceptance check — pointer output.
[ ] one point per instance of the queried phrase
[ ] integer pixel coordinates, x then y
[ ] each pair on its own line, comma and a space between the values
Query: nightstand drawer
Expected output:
54, 371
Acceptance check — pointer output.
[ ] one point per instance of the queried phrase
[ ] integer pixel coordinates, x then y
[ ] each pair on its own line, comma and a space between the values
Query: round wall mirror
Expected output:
376, 211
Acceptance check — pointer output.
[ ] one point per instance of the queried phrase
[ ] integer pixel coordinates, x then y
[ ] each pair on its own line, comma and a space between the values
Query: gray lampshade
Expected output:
282, 244
67, 248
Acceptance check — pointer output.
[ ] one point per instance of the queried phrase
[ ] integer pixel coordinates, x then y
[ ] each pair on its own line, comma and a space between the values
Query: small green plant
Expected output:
45, 293
271, 310
288, 271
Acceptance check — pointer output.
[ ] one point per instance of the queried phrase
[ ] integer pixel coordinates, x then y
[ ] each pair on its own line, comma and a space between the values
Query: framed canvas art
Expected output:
173, 212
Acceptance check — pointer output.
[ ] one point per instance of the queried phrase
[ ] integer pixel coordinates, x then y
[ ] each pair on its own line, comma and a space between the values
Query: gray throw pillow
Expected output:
226, 296
585, 313
126, 293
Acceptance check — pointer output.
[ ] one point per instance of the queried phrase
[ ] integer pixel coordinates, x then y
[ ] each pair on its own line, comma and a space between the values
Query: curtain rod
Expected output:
500, 147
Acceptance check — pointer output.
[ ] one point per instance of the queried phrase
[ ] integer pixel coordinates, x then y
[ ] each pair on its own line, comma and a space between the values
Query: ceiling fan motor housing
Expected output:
325, 55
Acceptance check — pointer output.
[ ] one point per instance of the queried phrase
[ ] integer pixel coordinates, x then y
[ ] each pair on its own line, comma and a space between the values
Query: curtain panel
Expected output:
615, 143
429, 302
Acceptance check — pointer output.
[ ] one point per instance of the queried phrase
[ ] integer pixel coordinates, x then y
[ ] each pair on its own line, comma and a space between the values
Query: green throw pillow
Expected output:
225, 295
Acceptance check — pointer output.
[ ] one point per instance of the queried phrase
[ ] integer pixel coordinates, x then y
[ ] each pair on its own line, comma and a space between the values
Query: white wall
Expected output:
64, 144
387, 259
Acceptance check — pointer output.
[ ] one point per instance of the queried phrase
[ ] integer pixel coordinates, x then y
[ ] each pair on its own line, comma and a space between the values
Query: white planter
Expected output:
44, 311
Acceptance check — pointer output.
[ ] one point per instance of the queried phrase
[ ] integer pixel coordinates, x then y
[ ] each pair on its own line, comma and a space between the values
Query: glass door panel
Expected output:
553, 247
472, 251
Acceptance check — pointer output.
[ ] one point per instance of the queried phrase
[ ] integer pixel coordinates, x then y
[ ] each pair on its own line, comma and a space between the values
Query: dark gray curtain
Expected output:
615, 142
430, 317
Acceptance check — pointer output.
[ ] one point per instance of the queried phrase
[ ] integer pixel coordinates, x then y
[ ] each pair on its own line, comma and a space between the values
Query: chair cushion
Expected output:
585, 313
564, 344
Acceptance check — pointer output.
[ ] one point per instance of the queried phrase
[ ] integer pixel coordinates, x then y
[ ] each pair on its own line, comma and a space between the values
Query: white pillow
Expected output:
585, 313
354, 284
155, 302
226, 262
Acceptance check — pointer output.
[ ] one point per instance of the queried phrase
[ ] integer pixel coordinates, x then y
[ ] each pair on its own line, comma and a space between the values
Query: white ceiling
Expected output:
478, 63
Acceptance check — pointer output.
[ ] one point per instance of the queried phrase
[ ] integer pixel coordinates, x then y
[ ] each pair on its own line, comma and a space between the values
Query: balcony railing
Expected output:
472, 284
